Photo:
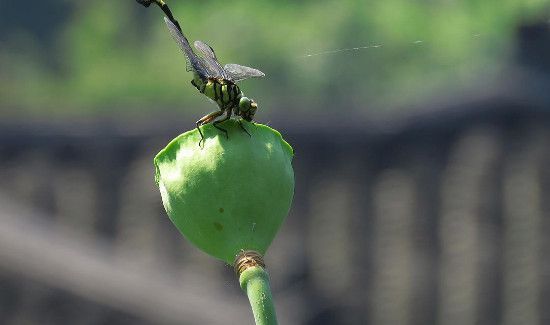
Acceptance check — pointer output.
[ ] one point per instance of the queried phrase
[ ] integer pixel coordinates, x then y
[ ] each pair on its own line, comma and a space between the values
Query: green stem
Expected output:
255, 281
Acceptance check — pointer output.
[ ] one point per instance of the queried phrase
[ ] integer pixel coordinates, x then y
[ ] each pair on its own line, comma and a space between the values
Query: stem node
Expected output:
247, 259
254, 280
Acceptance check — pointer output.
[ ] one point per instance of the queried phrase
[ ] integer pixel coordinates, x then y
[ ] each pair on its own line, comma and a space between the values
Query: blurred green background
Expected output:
113, 58
421, 165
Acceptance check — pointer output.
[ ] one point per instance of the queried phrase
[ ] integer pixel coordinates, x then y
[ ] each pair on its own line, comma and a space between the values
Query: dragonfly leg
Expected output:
205, 120
242, 127
227, 117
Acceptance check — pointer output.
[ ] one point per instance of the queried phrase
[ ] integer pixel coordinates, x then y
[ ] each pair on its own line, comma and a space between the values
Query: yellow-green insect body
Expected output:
216, 82
226, 94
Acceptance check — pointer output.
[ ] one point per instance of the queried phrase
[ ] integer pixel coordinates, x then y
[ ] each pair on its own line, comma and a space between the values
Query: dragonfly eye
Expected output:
248, 108
245, 104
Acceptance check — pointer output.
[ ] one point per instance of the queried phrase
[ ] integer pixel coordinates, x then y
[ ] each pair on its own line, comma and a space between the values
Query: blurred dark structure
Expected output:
438, 218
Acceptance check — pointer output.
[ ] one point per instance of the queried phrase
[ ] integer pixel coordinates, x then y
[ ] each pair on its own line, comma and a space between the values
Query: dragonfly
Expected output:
216, 82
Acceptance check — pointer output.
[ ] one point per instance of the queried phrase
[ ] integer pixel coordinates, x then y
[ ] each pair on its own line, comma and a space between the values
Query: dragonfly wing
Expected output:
210, 59
193, 60
237, 72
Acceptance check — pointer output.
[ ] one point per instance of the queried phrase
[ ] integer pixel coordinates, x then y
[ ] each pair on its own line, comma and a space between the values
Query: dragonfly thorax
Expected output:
226, 94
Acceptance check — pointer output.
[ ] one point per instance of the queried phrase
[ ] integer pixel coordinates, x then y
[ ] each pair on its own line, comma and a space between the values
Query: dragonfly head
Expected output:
247, 107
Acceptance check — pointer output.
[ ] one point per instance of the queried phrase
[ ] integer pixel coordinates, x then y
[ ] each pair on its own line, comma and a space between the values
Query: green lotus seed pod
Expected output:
232, 193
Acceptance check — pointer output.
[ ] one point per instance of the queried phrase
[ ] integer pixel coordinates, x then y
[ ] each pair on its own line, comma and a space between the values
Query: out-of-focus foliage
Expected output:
80, 57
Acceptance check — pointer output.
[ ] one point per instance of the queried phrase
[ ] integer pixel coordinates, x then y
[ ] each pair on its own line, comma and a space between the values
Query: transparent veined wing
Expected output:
210, 59
196, 63
237, 72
